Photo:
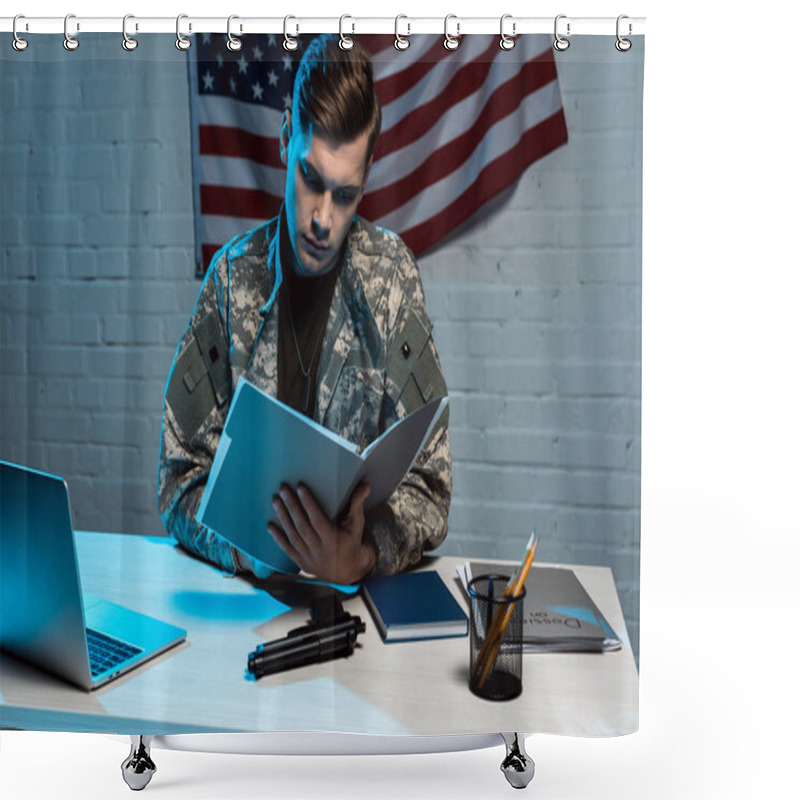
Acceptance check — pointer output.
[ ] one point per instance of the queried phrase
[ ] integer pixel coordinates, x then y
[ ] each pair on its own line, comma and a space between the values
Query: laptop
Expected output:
44, 616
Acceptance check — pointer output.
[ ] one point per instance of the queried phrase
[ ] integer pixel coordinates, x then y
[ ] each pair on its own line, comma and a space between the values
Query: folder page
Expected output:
268, 444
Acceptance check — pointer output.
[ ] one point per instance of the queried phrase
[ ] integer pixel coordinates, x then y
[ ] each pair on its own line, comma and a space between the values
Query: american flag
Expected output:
459, 129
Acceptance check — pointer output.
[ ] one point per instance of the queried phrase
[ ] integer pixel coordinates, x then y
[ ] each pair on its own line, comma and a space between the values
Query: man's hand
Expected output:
332, 551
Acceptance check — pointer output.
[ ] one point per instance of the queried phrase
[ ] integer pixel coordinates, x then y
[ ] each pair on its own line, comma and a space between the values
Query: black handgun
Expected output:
331, 633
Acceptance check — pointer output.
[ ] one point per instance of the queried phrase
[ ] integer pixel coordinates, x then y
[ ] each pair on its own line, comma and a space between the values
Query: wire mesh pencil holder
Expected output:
495, 638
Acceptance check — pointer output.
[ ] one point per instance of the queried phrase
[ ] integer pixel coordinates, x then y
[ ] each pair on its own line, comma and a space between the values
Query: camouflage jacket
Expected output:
378, 363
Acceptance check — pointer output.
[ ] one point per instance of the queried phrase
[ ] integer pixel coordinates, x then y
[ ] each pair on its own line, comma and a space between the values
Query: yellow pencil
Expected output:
510, 589
499, 623
497, 636
511, 585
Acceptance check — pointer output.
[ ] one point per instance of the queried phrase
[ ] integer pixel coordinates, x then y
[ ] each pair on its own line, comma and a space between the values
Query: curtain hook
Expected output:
451, 42
182, 43
345, 42
288, 42
19, 44
70, 42
561, 43
128, 42
401, 42
623, 45
507, 42
233, 44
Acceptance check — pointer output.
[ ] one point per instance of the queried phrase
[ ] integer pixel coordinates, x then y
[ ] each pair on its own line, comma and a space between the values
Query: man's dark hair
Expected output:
334, 92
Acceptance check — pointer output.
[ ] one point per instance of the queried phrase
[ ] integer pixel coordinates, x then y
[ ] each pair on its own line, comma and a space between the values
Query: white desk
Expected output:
414, 688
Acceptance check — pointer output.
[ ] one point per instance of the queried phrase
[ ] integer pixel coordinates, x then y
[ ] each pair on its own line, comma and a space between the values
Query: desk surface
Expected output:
410, 688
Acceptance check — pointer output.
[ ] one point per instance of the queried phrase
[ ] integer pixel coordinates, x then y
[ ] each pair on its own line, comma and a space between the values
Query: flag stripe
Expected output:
402, 168
209, 250
466, 75
221, 229
399, 165
423, 117
258, 120
240, 172
377, 43
438, 194
435, 90
392, 85
224, 201
216, 140
494, 178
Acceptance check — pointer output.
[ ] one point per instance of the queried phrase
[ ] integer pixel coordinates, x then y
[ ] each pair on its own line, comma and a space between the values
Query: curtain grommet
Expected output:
289, 42
70, 42
507, 42
19, 44
401, 42
233, 44
182, 43
129, 43
451, 42
345, 42
623, 45
561, 43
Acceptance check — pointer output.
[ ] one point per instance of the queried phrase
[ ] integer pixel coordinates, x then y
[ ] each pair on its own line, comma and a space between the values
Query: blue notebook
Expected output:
414, 605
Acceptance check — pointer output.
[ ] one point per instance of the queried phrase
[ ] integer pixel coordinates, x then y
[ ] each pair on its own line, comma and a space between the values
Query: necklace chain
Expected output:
306, 372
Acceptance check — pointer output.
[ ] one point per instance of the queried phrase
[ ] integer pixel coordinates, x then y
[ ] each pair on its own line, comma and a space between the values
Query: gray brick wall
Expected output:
537, 313
536, 308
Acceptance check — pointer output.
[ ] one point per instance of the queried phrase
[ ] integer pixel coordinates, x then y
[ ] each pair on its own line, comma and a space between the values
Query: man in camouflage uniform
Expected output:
353, 292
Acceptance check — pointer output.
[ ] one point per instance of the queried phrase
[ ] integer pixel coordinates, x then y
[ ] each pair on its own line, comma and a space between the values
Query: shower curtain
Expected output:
512, 178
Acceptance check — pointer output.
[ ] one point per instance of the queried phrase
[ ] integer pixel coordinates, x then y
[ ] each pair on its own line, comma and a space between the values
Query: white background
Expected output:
719, 572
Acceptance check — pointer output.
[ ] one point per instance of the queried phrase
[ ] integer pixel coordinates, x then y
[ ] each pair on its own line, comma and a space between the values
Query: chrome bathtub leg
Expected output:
518, 766
138, 768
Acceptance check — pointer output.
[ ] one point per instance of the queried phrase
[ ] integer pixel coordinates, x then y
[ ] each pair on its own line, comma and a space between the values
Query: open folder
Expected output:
265, 443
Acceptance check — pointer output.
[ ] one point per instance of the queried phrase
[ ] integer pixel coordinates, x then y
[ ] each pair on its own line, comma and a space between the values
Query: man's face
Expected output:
325, 180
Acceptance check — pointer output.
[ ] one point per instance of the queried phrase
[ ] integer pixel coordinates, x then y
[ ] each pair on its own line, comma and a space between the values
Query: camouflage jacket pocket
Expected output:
355, 407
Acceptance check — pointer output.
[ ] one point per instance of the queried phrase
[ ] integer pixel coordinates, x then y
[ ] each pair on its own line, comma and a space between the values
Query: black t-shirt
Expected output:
306, 302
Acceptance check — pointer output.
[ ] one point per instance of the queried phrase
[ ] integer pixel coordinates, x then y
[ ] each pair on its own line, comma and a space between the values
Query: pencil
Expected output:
511, 585
511, 590
490, 613
497, 639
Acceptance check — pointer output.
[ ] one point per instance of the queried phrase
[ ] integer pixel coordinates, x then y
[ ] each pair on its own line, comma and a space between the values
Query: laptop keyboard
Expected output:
105, 652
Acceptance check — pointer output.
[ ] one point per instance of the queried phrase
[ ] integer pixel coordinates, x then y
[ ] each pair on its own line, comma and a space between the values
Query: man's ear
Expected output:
286, 135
